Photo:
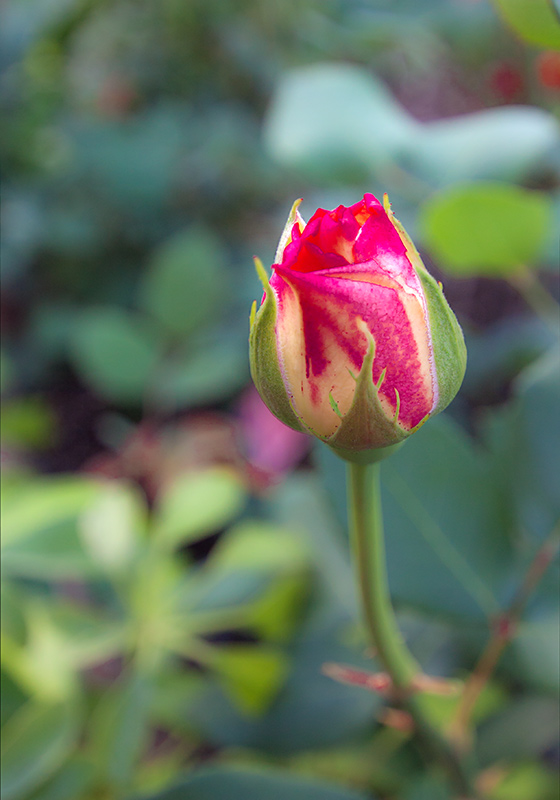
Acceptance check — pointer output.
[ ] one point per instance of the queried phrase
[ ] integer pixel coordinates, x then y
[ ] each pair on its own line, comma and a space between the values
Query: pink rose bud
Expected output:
354, 341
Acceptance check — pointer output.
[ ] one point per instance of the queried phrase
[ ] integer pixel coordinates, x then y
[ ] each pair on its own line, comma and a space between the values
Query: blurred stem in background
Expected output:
367, 539
537, 297
503, 632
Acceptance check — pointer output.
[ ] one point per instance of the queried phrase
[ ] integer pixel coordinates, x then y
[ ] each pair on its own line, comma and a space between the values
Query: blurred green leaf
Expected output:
41, 536
254, 784
41, 664
522, 438
210, 591
428, 788
303, 503
64, 527
133, 159
250, 674
535, 652
311, 711
71, 783
113, 525
498, 353
523, 729
335, 120
119, 730
479, 146
185, 282
208, 375
526, 781
535, 21
197, 504
35, 742
27, 422
12, 696
85, 635
255, 574
445, 554
486, 229
259, 545
6, 371
116, 352
277, 612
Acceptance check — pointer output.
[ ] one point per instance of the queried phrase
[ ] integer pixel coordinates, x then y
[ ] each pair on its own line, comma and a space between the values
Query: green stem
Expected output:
366, 525
366, 530
537, 297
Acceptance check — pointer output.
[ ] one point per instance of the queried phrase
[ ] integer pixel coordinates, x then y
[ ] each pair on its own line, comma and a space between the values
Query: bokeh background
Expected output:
175, 562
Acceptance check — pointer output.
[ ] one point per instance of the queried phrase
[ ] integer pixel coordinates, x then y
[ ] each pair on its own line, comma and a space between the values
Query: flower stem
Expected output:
366, 530
366, 525
537, 297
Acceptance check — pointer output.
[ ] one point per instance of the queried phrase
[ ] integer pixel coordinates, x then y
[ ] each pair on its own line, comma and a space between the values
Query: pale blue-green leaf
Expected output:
335, 117
495, 144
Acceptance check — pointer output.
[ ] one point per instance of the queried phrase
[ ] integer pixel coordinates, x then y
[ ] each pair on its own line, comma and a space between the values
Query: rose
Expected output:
354, 341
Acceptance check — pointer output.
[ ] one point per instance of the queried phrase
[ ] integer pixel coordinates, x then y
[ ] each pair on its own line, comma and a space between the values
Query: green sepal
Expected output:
263, 357
286, 236
366, 434
450, 353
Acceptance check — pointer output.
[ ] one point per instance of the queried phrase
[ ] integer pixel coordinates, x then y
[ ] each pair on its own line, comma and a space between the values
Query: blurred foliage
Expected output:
174, 562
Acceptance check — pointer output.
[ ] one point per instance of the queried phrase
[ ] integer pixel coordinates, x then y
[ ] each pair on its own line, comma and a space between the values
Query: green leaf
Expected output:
35, 742
27, 422
113, 525
526, 781
206, 375
255, 544
446, 554
251, 675
185, 282
535, 652
535, 21
302, 503
116, 352
522, 438
335, 120
255, 575
428, 788
133, 159
255, 784
119, 730
525, 728
486, 228
12, 697
197, 504
41, 535
312, 711
479, 146
71, 783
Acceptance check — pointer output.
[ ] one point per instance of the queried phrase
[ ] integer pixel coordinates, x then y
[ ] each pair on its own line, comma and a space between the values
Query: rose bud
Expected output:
354, 341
